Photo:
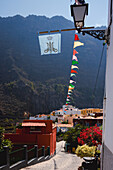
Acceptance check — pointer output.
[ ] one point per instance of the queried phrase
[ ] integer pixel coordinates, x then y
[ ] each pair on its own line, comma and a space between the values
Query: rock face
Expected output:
35, 83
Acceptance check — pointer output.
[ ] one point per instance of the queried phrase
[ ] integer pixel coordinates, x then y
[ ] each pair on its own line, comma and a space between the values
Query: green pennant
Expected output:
67, 102
74, 62
71, 85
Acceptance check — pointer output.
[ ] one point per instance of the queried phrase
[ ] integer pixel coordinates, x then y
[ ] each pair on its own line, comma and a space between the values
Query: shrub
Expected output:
91, 136
85, 151
4, 142
7, 142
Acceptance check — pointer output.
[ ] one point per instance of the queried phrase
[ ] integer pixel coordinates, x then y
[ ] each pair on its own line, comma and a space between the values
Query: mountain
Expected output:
38, 84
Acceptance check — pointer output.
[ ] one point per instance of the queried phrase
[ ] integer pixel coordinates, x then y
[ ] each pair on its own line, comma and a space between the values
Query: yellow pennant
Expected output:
77, 43
71, 88
72, 67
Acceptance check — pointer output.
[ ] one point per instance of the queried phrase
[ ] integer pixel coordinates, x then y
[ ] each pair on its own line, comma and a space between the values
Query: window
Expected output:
35, 129
87, 123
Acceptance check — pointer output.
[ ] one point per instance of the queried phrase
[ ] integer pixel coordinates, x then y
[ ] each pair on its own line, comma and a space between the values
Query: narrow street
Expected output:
61, 161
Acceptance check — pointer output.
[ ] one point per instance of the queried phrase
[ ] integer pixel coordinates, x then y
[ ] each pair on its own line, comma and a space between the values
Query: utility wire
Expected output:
98, 74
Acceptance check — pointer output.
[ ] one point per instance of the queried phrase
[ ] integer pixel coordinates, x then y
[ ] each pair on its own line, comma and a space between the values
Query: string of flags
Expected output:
51, 44
74, 69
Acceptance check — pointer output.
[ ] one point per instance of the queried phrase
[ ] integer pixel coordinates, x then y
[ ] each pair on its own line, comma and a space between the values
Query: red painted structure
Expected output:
35, 132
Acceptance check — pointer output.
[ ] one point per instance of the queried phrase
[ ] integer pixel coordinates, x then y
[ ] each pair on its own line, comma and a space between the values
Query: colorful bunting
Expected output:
73, 66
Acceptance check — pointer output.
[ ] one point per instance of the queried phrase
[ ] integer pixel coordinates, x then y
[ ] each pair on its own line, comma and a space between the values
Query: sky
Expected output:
97, 15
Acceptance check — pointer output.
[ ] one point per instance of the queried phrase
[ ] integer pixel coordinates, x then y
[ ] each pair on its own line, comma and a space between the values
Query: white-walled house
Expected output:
107, 150
70, 110
38, 117
58, 112
63, 127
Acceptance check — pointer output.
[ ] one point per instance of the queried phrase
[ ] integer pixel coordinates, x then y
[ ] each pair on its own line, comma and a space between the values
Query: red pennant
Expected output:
66, 104
68, 96
74, 52
76, 37
73, 71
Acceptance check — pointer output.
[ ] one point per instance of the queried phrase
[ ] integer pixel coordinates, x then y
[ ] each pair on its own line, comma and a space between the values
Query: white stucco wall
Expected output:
109, 91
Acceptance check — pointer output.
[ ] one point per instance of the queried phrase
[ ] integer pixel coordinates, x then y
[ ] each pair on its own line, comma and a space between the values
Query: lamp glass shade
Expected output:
78, 12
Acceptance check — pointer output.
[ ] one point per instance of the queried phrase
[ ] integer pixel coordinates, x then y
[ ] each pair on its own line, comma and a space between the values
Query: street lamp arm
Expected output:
99, 34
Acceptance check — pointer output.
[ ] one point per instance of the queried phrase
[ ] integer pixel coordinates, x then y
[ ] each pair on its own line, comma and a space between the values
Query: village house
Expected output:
70, 110
89, 120
63, 127
35, 132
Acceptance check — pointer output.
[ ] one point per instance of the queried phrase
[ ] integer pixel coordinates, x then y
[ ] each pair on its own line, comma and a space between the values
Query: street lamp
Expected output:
78, 13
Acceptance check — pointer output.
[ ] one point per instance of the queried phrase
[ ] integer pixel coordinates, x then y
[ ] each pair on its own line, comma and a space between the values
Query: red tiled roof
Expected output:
33, 124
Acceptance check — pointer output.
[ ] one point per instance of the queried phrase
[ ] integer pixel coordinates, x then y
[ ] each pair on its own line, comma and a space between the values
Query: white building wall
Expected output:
109, 91
107, 151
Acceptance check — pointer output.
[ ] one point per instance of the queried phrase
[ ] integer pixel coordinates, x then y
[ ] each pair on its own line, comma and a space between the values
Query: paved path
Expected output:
61, 161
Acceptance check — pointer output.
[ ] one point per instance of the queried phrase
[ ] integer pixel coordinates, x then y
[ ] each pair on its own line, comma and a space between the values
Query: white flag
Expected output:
71, 81
75, 58
50, 44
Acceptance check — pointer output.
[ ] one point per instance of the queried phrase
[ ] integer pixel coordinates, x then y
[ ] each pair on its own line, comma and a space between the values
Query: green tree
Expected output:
4, 142
72, 134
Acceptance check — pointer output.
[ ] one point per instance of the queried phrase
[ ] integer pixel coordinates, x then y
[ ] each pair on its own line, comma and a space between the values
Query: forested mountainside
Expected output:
38, 84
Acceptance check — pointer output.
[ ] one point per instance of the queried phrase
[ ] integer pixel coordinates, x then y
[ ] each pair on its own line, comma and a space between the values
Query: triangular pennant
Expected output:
66, 104
72, 67
74, 62
71, 88
71, 85
74, 52
76, 37
71, 81
77, 43
68, 99
71, 78
72, 75
75, 58
73, 71
68, 96
69, 93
